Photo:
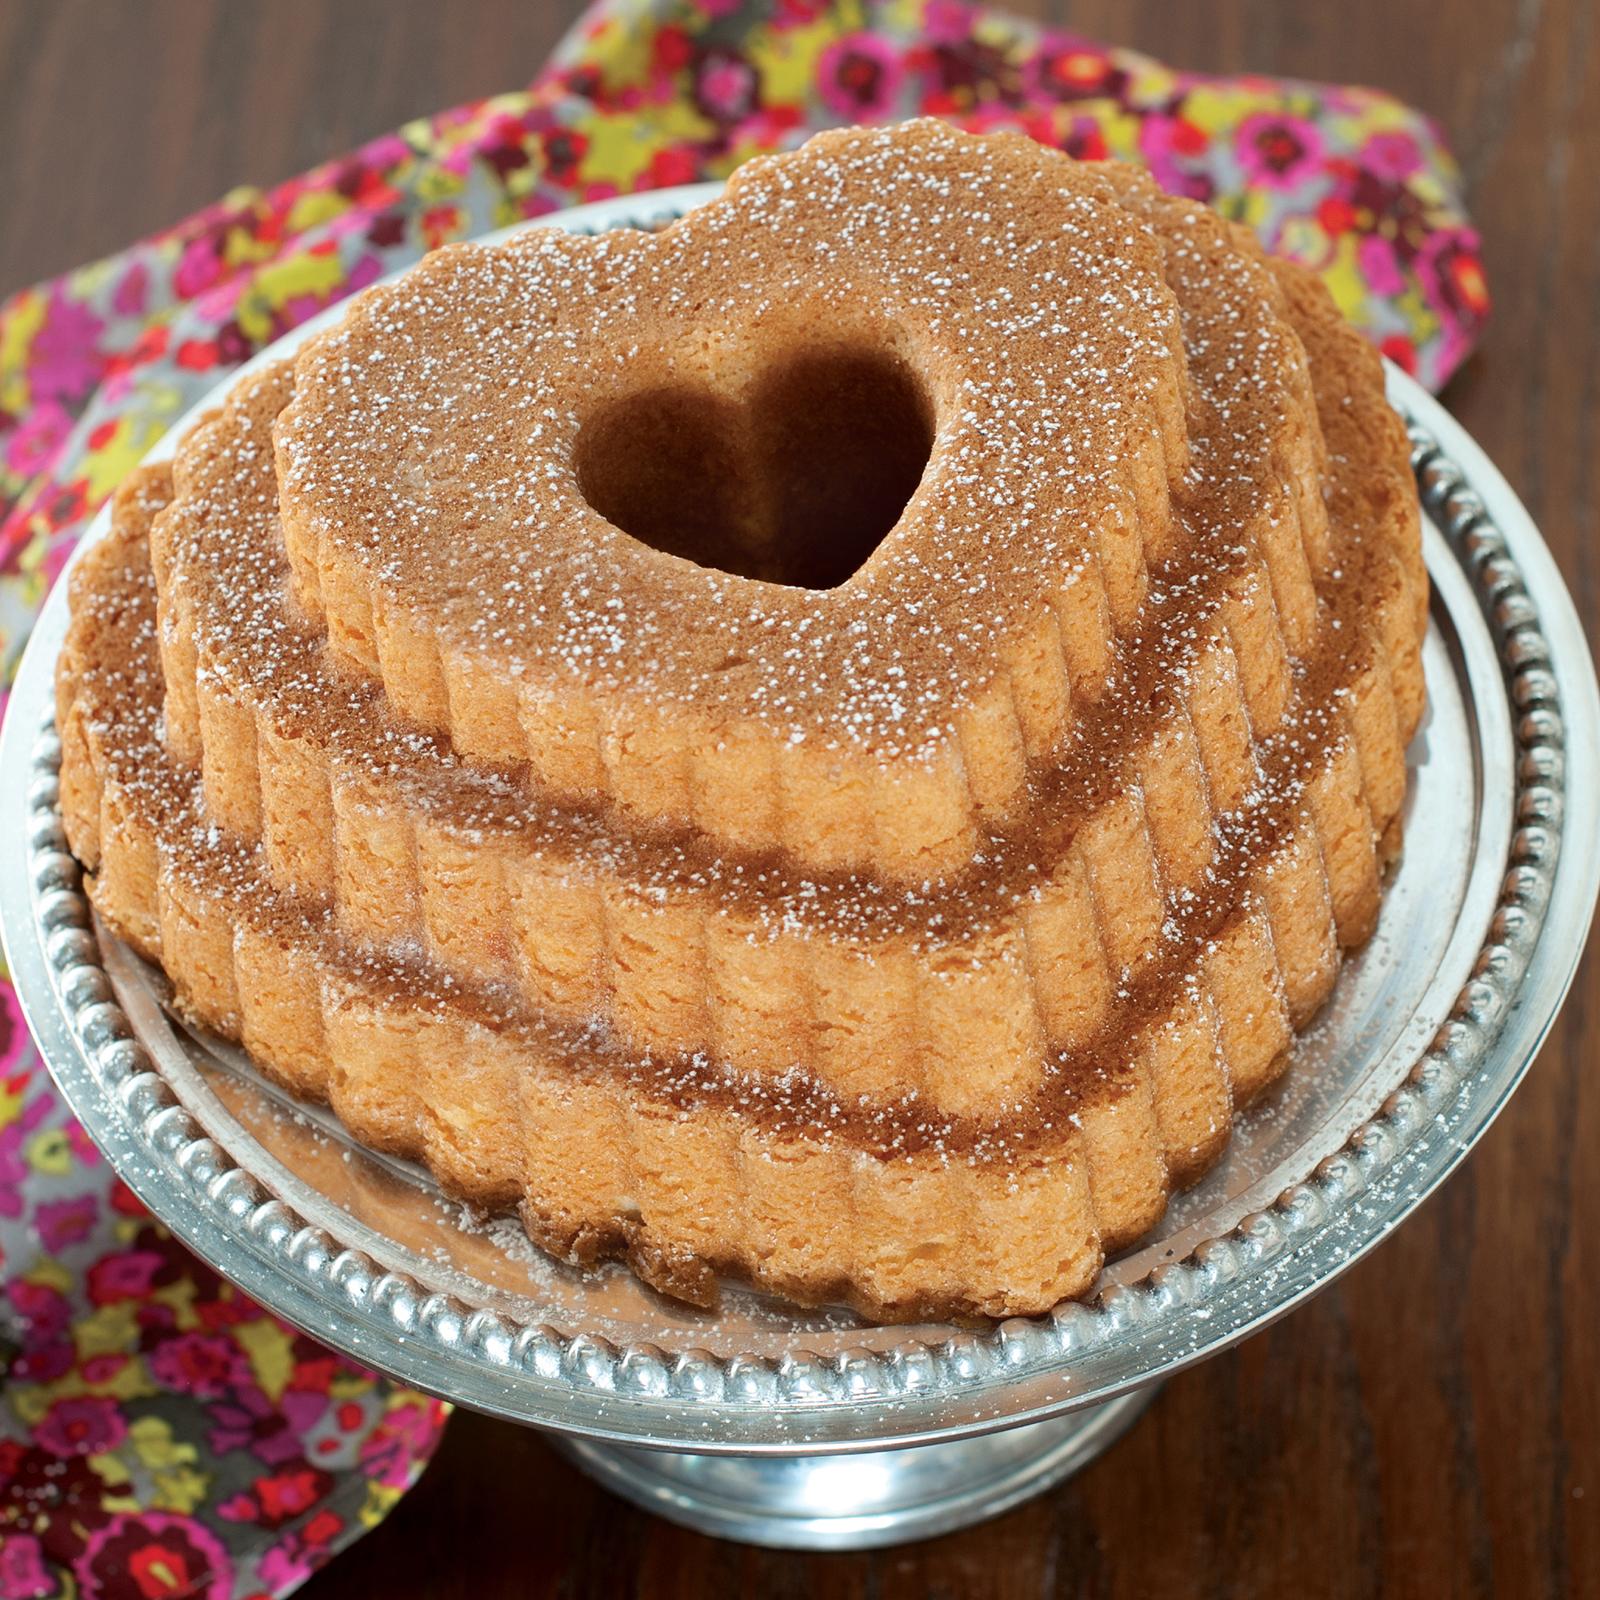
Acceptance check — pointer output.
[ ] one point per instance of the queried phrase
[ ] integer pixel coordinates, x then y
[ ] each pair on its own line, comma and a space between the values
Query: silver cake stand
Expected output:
817, 1430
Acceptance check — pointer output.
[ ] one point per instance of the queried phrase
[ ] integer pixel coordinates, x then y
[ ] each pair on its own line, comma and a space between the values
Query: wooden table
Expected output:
1430, 1426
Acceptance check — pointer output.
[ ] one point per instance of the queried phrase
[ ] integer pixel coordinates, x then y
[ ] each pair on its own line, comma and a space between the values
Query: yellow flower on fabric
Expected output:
30, 563
1303, 238
269, 1347
1427, 188
177, 1483
240, 248
307, 272
10, 1106
1379, 114
49, 1152
50, 1274
108, 1330
996, 32
625, 56
153, 1442
86, 282
1150, 83
21, 322
789, 66
1249, 205
381, 1500
346, 1385
1215, 110
1119, 128
110, 1466
317, 205
620, 148
119, 454
30, 1402
127, 1382
436, 183
506, 213
1420, 318
1342, 274
179, 1489
179, 1296
317, 272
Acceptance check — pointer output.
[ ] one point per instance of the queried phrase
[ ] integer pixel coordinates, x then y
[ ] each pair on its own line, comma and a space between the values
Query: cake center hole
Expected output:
795, 482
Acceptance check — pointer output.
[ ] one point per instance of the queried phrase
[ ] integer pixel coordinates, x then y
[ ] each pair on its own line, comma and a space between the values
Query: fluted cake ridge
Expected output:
1006, 865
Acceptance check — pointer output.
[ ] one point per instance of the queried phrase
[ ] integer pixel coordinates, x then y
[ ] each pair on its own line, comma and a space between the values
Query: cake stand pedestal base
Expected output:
864, 1499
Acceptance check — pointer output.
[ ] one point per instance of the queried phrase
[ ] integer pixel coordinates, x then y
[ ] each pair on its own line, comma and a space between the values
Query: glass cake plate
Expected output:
816, 1429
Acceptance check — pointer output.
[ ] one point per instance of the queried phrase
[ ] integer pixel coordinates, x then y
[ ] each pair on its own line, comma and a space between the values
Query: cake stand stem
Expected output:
862, 1500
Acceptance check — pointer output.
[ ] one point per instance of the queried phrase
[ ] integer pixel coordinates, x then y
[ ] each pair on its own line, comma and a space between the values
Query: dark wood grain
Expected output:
1428, 1427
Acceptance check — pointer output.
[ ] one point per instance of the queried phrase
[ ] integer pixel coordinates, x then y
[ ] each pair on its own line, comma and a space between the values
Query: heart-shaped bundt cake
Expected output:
834, 743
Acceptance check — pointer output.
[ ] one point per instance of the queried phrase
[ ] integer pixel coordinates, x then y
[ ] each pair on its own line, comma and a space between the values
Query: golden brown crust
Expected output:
960, 991
678, 1045
888, 722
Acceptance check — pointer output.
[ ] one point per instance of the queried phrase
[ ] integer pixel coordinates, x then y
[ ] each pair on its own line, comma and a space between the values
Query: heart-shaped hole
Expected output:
797, 481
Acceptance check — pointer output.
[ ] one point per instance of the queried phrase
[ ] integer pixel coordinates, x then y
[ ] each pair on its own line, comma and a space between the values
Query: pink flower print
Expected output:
83, 1425
199, 266
37, 438
78, 1140
51, 568
304, 1408
1375, 257
42, 1311
44, 1362
859, 77
1072, 71
204, 1364
64, 361
406, 1436
127, 1275
14, 1137
364, 270
245, 1419
1167, 143
725, 85
154, 1555
128, 299
60, 1223
23, 1574
284, 1567
1452, 274
387, 150
16, 1043
946, 22
1393, 154
1277, 150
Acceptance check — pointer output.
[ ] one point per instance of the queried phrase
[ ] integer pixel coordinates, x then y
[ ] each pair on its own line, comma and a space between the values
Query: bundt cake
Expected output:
834, 743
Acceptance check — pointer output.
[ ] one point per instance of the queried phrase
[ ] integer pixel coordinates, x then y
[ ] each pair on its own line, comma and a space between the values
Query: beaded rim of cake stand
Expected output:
912, 1369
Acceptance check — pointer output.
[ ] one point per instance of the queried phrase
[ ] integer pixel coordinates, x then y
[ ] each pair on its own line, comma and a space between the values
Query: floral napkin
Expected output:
161, 1436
